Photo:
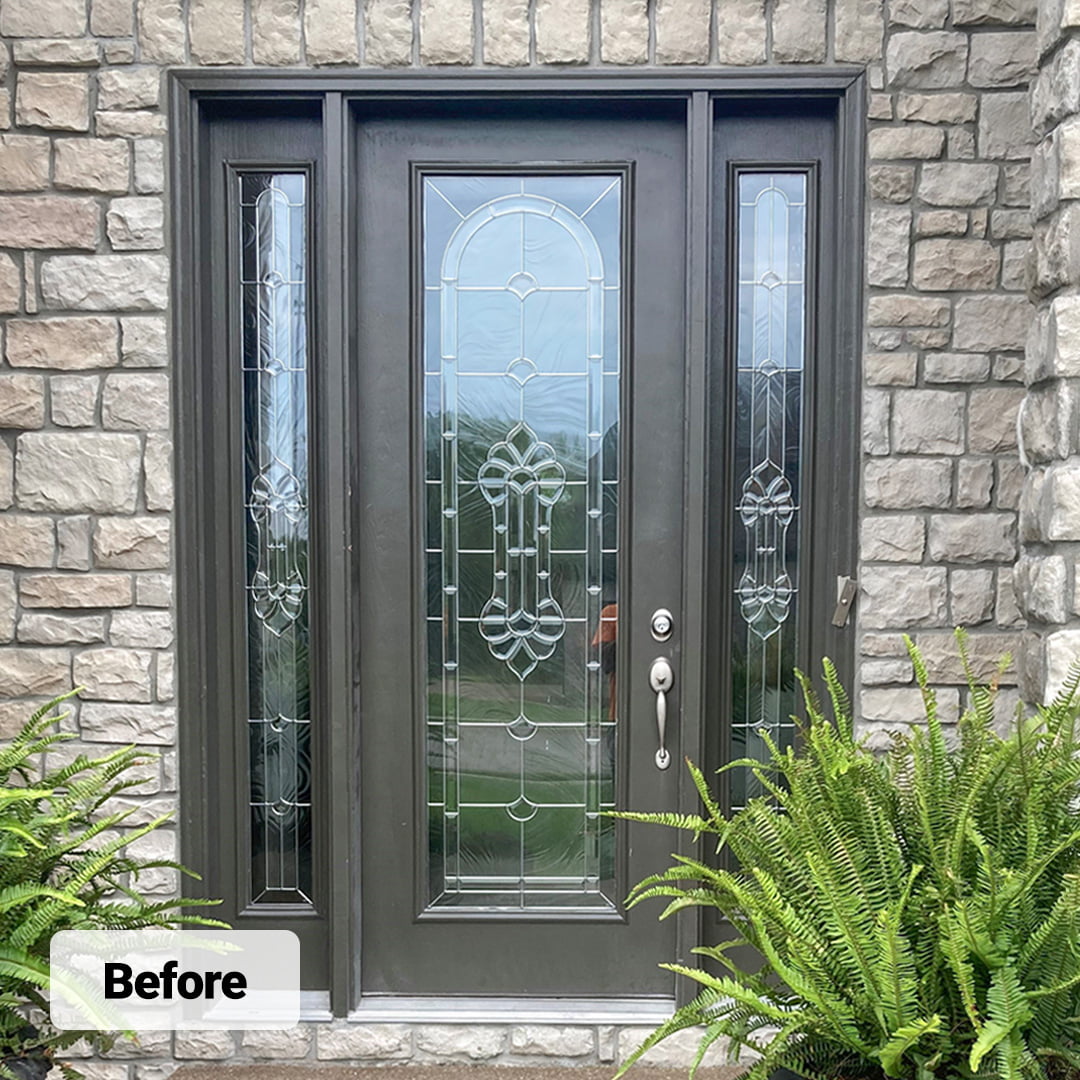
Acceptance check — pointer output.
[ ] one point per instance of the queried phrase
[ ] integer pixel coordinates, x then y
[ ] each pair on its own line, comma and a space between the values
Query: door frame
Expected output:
192, 94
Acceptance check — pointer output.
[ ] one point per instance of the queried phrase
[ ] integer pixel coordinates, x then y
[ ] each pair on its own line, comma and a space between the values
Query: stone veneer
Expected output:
86, 452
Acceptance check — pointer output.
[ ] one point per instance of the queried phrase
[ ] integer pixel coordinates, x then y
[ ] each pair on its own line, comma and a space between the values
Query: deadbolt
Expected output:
662, 624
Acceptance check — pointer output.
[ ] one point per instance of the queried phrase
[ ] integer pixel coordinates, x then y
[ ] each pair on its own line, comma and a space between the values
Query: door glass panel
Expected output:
770, 354
273, 278
522, 310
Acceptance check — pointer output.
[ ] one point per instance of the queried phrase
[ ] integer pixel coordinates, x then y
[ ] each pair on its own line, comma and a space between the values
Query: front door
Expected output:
518, 399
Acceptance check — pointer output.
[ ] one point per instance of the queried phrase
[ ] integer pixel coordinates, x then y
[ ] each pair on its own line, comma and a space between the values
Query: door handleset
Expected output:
661, 679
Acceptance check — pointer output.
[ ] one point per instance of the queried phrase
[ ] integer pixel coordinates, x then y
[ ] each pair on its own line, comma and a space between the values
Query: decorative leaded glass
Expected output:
770, 351
273, 273
522, 293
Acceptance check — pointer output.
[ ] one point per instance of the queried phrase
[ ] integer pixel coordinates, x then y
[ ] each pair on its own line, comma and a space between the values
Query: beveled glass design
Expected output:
770, 352
273, 279
521, 289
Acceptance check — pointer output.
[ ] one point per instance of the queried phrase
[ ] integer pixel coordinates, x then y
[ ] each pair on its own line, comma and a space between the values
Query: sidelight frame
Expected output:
333, 96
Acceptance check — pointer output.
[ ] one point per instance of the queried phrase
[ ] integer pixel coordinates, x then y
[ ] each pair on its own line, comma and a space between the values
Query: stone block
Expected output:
1002, 59
24, 162
918, 14
330, 31
446, 31
903, 309
129, 88
678, 1051
75, 590
740, 32
27, 540
112, 18
144, 341
963, 538
203, 1045
166, 677
989, 12
65, 344
1005, 126
74, 472
8, 608
1010, 479
136, 401
1041, 583
388, 40
890, 368
34, 672
884, 672
506, 32
98, 165
291, 1043
798, 31
937, 108
132, 124
948, 265
141, 629
275, 32
106, 282
1059, 503
992, 418
550, 1040
561, 29
132, 543
53, 99
161, 33
22, 401
44, 628
991, 323
7, 475
957, 183
971, 596
897, 597
364, 1042
682, 30
892, 183
1055, 93
149, 166
136, 223
73, 543
887, 246
74, 400
875, 422
107, 674
10, 285
933, 59
624, 32
942, 223
987, 654
154, 590
43, 18
1006, 611
157, 472
928, 422
460, 1042
902, 707
857, 31
892, 538
909, 141
216, 31
908, 483
1062, 654
49, 221
974, 483
950, 367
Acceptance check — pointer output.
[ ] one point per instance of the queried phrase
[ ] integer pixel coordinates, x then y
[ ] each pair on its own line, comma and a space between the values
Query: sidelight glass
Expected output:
273, 280
770, 350
522, 311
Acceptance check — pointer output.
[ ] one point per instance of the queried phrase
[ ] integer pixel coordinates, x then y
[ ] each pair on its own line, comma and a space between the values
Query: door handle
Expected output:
661, 679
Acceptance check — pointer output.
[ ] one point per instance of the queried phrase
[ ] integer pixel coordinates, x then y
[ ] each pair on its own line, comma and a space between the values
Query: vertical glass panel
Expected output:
273, 226
522, 296
770, 356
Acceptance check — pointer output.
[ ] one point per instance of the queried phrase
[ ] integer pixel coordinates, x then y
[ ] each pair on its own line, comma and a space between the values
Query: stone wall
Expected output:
85, 454
1050, 506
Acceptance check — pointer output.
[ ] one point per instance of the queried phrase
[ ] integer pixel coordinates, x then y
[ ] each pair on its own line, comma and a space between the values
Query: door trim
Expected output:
190, 94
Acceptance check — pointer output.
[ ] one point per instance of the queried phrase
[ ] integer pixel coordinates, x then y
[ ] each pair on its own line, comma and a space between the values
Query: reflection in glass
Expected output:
274, 341
770, 354
521, 284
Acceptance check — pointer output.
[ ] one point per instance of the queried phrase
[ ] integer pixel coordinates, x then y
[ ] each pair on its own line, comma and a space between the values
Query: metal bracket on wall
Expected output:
845, 595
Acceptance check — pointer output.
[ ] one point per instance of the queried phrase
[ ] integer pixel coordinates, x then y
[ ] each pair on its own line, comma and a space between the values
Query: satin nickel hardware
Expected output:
661, 679
661, 624
845, 595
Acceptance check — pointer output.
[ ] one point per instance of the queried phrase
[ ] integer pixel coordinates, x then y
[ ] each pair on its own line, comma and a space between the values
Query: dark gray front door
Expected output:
517, 394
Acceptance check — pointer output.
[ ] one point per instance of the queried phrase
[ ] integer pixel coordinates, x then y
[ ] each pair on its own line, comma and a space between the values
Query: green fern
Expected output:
915, 914
64, 866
